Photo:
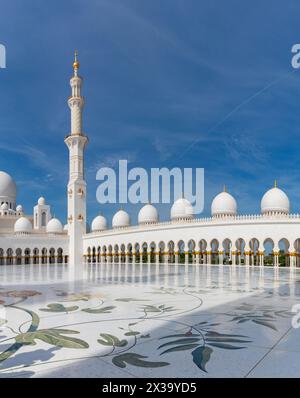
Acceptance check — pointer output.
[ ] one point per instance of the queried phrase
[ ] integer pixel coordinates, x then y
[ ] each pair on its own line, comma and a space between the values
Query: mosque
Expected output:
269, 238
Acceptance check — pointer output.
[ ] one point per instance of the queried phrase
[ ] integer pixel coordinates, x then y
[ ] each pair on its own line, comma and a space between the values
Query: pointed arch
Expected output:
171, 252
268, 246
284, 247
214, 244
18, 256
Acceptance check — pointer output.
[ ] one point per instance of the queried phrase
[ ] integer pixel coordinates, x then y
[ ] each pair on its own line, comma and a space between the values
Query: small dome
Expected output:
121, 219
182, 209
275, 201
148, 214
41, 201
19, 208
54, 226
23, 225
7, 186
4, 206
99, 223
224, 204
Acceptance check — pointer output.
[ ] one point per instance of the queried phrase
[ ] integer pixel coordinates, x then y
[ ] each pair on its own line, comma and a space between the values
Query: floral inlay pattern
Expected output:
145, 327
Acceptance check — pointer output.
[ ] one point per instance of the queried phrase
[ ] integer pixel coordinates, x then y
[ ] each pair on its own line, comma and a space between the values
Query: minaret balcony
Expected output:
76, 101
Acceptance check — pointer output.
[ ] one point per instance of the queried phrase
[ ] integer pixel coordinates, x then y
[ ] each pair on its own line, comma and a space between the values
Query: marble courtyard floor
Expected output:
148, 320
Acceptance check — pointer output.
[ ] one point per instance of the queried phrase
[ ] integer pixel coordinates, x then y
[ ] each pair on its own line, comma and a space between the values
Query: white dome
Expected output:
99, 223
224, 204
182, 209
275, 201
41, 201
65, 227
148, 214
19, 208
54, 226
4, 206
23, 225
121, 219
7, 186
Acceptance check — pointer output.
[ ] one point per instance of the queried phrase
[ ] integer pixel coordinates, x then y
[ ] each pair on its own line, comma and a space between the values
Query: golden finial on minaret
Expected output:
224, 188
275, 184
75, 63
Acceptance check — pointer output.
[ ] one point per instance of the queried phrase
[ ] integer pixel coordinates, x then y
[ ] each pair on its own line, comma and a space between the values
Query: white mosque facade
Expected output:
224, 238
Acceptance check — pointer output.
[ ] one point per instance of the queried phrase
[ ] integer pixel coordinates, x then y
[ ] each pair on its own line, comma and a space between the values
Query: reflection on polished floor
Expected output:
147, 320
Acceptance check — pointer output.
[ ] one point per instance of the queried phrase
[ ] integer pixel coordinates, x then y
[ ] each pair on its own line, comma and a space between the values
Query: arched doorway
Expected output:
19, 256
27, 256
214, 244
268, 251
283, 256
171, 250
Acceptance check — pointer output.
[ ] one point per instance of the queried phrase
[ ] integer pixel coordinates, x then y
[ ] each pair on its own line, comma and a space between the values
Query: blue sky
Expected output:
185, 83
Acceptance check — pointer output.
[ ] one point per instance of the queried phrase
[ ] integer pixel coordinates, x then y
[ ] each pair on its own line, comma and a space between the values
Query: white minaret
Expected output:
76, 142
41, 214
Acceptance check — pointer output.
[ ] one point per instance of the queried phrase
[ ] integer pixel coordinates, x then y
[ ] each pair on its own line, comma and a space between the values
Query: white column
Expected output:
186, 257
208, 256
292, 257
276, 257
233, 257
261, 257
156, 257
221, 257
133, 257
247, 256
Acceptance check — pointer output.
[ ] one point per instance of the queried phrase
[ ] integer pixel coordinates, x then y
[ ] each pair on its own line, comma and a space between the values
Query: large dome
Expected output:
8, 190
148, 214
182, 209
121, 219
99, 223
223, 204
54, 226
23, 225
275, 201
7, 185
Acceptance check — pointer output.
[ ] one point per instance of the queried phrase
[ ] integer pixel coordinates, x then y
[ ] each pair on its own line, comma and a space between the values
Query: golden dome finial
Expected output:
275, 184
224, 188
76, 63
